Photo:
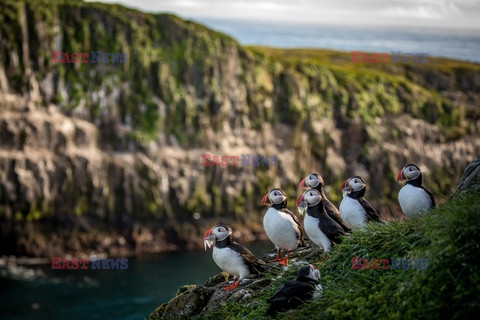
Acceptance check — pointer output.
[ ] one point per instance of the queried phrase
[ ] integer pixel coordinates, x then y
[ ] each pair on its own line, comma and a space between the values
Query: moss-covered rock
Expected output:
470, 177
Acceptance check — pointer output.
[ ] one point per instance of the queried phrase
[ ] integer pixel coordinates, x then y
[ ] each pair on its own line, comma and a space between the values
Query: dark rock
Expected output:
470, 178
219, 278
184, 289
184, 305
218, 297
259, 284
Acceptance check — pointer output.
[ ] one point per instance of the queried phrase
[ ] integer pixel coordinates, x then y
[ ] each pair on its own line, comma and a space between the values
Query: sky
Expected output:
454, 14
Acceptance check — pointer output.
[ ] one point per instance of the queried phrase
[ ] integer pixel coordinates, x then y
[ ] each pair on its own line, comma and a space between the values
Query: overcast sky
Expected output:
428, 13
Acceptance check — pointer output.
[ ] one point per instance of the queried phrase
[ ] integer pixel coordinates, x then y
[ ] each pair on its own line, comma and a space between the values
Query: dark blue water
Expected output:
456, 44
38, 292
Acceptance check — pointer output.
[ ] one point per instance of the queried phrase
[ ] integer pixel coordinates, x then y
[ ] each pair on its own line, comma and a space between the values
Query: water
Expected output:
38, 292
456, 44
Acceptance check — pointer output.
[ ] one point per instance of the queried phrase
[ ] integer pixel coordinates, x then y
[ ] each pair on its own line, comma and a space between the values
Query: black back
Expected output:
330, 208
328, 226
372, 214
293, 293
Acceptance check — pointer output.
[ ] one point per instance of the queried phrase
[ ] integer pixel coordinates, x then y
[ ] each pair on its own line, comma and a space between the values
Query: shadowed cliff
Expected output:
107, 156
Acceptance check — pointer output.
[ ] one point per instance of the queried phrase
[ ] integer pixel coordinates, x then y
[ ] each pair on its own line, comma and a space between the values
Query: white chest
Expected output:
280, 229
230, 261
353, 213
413, 200
315, 234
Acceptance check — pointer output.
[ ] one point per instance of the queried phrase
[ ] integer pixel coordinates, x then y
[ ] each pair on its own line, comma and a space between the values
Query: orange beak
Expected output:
400, 176
302, 185
207, 233
299, 199
344, 184
264, 200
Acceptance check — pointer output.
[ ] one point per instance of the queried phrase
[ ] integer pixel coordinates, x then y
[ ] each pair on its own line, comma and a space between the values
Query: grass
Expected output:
448, 289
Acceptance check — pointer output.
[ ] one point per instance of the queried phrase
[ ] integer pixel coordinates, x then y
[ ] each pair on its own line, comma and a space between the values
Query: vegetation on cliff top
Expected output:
448, 289
184, 65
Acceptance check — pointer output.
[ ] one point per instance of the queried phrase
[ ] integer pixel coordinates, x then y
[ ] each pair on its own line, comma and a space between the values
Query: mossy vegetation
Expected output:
185, 65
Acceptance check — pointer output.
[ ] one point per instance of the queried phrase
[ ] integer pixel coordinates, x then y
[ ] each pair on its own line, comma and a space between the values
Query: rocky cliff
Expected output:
107, 156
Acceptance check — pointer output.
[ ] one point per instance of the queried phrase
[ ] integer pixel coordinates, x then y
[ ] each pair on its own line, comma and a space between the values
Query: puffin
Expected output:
293, 293
315, 181
354, 209
320, 228
413, 197
231, 256
281, 225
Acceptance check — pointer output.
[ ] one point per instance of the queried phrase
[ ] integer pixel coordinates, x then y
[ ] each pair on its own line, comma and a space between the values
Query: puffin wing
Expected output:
431, 196
334, 214
289, 295
279, 294
251, 261
369, 210
331, 229
297, 226
279, 301
292, 289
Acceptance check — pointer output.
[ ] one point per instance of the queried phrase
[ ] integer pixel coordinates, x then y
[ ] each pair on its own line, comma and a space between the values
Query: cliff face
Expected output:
108, 155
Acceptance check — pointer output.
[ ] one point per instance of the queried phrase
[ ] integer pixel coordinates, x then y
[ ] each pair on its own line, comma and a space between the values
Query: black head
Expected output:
309, 198
410, 173
308, 274
218, 234
354, 186
276, 196
313, 180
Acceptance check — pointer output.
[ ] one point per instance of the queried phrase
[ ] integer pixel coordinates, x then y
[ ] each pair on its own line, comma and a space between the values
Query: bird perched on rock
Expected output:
230, 256
295, 292
281, 225
320, 228
354, 209
315, 181
413, 197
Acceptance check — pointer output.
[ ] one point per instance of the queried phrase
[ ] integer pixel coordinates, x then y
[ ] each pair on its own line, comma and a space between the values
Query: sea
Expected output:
37, 292
461, 44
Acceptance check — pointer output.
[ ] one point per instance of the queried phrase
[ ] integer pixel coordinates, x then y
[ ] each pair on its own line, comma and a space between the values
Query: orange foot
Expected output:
283, 262
278, 257
233, 286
